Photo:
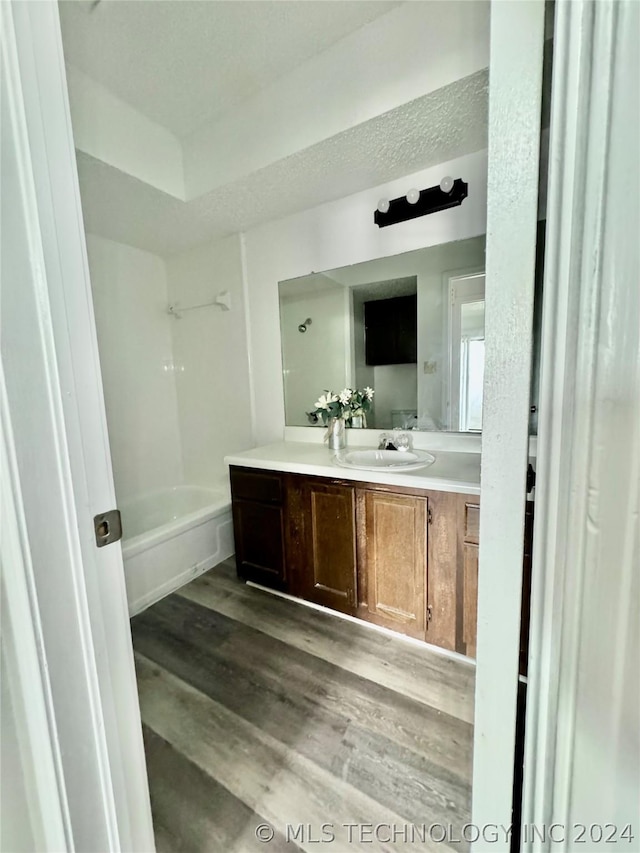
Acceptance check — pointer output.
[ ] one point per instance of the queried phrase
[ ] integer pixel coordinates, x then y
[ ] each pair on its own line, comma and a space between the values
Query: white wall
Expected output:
414, 49
319, 359
134, 336
211, 356
363, 373
112, 131
395, 387
335, 235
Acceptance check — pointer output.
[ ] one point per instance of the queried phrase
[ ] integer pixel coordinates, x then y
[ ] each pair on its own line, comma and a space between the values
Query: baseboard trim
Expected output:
379, 628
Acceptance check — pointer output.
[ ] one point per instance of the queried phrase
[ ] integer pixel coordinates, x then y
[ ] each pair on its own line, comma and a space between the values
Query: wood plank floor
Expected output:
258, 710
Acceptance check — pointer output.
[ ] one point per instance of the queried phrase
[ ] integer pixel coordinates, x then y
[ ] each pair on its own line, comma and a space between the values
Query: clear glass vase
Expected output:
336, 434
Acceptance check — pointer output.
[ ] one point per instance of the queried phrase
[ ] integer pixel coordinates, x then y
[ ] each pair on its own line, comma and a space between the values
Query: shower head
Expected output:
302, 328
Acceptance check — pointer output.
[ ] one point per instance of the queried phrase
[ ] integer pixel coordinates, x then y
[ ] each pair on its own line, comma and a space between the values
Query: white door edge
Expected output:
50, 292
24, 664
517, 40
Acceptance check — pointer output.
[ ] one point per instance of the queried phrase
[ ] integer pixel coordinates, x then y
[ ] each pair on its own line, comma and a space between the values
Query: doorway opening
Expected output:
167, 237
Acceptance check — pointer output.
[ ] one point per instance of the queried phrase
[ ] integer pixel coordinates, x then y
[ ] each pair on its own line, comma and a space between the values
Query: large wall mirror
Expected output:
410, 326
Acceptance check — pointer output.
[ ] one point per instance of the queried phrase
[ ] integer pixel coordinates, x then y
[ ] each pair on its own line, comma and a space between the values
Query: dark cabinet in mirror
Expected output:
390, 330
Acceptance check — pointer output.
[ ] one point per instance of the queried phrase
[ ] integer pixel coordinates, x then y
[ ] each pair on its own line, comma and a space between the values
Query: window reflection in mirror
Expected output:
409, 326
466, 338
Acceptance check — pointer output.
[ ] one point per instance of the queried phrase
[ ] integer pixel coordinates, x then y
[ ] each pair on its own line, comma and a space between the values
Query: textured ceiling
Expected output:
386, 289
439, 127
305, 285
299, 288
183, 62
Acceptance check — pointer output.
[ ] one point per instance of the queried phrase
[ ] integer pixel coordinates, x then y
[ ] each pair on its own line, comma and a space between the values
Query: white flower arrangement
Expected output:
349, 403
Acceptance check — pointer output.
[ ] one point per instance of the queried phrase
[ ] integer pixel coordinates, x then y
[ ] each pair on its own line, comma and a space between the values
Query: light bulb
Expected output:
383, 205
446, 184
413, 196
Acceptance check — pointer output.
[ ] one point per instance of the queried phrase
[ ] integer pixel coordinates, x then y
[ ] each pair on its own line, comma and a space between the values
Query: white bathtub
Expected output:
170, 537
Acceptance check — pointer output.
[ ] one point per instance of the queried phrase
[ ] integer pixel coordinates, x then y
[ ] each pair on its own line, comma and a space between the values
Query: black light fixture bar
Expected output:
430, 200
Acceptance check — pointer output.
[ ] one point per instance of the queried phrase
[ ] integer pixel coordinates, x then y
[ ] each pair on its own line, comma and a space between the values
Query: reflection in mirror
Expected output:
410, 326
466, 340
472, 360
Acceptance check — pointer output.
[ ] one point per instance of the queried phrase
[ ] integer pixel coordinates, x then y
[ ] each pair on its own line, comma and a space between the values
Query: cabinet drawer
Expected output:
251, 485
472, 523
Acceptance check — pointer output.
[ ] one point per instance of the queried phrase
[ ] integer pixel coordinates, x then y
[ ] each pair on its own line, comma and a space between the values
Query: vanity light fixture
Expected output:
448, 193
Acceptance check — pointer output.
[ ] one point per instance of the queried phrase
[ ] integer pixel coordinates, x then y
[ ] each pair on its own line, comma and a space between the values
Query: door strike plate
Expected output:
107, 527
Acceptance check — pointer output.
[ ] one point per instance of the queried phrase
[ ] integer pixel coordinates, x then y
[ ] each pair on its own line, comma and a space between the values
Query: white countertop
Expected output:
451, 472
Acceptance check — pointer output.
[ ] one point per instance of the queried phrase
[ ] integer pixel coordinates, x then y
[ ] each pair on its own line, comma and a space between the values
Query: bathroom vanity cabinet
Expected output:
399, 557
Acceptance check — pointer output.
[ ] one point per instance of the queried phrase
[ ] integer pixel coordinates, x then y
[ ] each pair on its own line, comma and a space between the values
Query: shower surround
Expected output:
177, 401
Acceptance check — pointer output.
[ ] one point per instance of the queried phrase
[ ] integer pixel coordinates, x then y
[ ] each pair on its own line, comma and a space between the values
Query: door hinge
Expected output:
531, 479
429, 516
429, 613
107, 527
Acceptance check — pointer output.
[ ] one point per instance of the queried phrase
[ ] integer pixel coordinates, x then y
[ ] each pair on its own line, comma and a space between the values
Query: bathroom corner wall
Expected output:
211, 359
324, 349
134, 337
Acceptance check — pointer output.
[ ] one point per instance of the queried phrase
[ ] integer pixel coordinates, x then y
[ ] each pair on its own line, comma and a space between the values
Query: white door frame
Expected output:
583, 719
517, 42
59, 438
26, 687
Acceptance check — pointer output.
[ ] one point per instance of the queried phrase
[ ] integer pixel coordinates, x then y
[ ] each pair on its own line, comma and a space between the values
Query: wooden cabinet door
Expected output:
470, 541
329, 574
259, 542
454, 537
453, 571
258, 526
443, 589
392, 560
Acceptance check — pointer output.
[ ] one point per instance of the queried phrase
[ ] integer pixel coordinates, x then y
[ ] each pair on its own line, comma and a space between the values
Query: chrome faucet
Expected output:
394, 441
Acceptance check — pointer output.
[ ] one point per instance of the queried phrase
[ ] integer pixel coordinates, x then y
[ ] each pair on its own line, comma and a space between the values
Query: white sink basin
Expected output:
374, 460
